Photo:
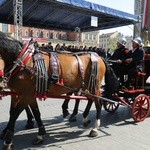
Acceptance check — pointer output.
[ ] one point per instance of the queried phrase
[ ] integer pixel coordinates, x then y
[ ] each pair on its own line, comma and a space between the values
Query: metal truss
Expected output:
18, 18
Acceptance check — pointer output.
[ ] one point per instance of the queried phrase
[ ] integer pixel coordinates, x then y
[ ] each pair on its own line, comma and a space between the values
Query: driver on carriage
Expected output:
119, 56
134, 60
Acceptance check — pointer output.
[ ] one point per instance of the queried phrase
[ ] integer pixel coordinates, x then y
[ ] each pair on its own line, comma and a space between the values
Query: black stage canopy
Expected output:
66, 15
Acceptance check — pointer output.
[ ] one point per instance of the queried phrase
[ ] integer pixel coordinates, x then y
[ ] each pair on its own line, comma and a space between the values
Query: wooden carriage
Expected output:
135, 97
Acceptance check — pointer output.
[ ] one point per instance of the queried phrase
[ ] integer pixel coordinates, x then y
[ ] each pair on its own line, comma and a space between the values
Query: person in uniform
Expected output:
134, 60
119, 56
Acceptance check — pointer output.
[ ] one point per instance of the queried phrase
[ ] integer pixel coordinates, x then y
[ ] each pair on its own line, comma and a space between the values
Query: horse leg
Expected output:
30, 122
8, 132
37, 115
65, 108
86, 120
2, 134
94, 131
75, 111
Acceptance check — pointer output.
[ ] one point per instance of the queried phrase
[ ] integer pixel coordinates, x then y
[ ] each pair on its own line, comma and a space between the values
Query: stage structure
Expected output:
64, 15
18, 18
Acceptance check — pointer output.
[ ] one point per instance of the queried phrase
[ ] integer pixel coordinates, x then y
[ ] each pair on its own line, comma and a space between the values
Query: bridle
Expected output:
2, 69
21, 61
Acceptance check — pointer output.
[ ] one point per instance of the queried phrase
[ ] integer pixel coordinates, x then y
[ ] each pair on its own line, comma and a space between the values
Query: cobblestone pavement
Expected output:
118, 130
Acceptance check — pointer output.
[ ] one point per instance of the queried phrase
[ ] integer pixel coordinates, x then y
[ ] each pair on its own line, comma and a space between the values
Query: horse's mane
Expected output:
9, 43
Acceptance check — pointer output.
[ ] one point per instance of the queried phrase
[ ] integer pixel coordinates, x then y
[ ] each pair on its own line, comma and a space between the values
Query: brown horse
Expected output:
34, 78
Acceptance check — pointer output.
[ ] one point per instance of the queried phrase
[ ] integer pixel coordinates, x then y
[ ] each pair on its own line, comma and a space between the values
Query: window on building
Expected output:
86, 36
37, 33
90, 37
47, 35
26, 33
4, 27
57, 36
94, 37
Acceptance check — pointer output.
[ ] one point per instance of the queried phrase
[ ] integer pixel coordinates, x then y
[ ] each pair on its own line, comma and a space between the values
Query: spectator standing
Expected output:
49, 46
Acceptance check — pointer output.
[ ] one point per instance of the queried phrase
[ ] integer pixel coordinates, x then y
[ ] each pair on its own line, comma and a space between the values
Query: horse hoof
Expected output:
72, 118
85, 124
7, 147
29, 125
37, 141
93, 133
65, 113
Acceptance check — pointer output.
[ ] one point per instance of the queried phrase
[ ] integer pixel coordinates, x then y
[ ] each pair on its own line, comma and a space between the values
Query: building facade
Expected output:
54, 36
108, 41
90, 38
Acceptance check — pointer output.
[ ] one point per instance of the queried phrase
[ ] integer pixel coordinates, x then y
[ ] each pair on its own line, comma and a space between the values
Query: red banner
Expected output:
146, 15
36, 39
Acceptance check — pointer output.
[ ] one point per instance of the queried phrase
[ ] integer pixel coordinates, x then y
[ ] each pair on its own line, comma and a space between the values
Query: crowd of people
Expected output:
71, 48
124, 61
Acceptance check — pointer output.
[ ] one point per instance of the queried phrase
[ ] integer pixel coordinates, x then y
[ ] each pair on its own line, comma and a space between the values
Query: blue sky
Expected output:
126, 6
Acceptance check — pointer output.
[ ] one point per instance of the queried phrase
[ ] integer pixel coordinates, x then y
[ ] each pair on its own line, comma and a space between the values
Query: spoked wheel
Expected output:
110, 106
141, 108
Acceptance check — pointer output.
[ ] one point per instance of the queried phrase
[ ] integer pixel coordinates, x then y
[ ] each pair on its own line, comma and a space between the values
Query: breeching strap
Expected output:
81, 68
93, 76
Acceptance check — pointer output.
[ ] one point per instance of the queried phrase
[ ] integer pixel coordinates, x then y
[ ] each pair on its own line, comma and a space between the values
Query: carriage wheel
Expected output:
110, 107
140, 108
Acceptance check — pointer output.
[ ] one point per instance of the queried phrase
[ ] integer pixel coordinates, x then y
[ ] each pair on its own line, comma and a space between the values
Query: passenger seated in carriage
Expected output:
119, 56
134, 61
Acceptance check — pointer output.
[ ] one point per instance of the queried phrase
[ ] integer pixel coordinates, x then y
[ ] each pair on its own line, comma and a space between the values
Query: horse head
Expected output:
9, 49
13, 56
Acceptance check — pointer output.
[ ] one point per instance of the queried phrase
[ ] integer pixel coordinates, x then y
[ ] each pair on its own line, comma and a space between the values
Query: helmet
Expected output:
122, 41
138, 41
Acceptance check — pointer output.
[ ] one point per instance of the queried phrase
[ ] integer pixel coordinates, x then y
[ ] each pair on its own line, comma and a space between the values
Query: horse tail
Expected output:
111, 81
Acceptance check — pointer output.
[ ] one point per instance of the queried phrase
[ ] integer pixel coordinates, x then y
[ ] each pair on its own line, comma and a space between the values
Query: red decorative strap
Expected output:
26, 53
23, 50
1, 73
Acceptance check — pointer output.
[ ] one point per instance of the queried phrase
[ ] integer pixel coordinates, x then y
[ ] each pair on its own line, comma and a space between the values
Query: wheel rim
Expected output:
141, 108
110, 107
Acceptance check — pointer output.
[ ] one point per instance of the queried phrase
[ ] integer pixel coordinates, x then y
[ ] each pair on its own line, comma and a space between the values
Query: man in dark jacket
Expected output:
134, 60
119, 56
